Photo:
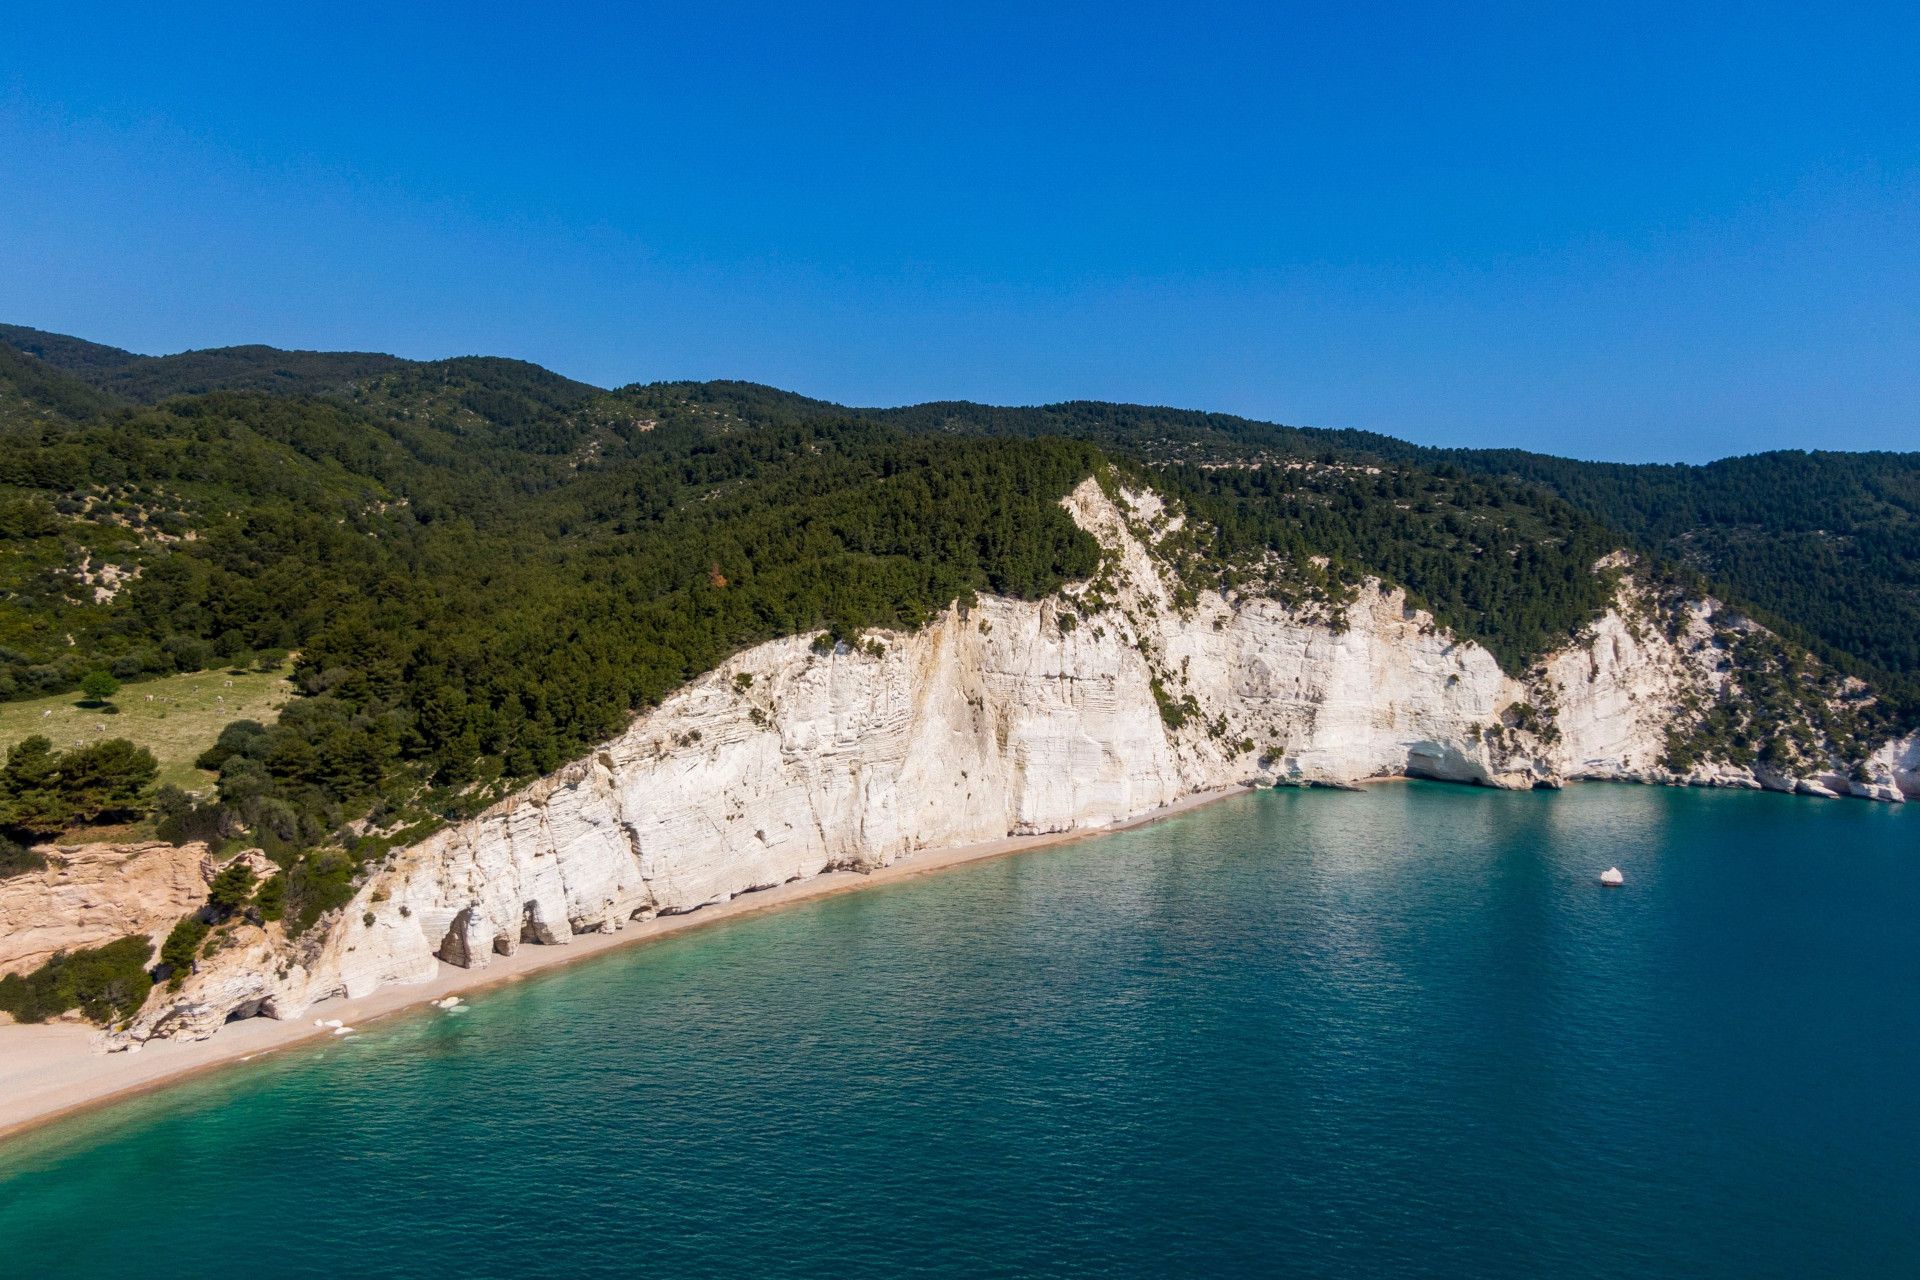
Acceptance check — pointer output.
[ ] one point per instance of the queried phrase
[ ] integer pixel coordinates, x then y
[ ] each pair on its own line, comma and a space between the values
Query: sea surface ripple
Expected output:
1395, 1032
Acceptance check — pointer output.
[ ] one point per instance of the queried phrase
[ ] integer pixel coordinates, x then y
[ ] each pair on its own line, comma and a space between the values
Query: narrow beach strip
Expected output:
51, 1070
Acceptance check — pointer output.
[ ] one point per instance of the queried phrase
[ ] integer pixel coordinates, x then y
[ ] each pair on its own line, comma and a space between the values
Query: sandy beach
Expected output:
52, 1070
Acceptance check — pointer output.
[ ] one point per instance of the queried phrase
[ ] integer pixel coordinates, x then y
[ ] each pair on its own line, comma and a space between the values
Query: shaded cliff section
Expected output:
1114, 697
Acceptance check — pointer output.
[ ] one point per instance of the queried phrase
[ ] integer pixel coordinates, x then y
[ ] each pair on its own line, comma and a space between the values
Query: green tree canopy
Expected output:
99, 686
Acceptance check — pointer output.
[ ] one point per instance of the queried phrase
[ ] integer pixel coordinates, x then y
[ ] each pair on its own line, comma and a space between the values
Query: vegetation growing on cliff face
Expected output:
178, 952
106, 984
1488, 559
1780, 708
485, 568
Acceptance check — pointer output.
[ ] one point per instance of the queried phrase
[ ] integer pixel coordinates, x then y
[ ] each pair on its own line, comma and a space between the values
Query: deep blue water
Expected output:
1394, 1032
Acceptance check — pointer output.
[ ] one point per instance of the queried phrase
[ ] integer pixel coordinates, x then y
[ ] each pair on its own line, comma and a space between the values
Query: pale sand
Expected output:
52, 1070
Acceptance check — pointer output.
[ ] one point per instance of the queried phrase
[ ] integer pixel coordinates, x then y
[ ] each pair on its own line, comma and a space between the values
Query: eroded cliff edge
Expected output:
1102, 703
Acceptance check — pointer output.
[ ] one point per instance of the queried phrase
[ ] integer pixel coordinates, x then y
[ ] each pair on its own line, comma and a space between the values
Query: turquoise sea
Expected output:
1394, 1032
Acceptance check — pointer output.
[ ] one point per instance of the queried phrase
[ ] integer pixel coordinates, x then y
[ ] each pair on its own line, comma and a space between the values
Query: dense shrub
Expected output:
106, 984
270, 900
317, 883
230, 889
182, 946
43, 791
99, 686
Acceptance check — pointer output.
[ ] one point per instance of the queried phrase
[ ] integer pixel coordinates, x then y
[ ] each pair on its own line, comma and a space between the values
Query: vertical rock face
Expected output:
1900, 762
89, 895
1007, 717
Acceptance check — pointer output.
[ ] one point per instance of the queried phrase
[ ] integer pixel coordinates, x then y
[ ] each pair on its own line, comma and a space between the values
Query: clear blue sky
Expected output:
1622, 231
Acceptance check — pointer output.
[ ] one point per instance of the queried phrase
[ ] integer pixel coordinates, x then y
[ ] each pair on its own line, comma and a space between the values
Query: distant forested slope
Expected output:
1825, 546
150, 379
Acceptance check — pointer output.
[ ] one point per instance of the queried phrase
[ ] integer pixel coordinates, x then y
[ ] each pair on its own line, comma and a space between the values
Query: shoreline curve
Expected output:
51, 1071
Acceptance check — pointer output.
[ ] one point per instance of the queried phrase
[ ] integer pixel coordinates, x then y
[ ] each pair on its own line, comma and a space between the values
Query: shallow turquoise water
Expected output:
1401, 1031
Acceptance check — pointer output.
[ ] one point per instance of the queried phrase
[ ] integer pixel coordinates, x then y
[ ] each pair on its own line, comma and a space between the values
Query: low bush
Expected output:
107, 984
182, 945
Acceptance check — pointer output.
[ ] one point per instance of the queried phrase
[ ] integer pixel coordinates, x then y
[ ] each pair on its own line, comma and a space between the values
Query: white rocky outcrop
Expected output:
1006, 717
1894, 770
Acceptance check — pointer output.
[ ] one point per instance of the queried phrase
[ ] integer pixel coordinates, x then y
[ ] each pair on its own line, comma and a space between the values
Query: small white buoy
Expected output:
1612, 878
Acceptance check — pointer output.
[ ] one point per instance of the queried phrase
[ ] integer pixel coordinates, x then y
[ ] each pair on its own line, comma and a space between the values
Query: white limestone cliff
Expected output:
1006, 717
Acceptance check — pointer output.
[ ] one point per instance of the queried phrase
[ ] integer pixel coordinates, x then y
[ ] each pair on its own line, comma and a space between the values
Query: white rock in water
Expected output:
1612, 878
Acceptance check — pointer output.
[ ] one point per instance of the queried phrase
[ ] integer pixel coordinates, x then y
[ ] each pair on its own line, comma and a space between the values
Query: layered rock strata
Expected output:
91, 894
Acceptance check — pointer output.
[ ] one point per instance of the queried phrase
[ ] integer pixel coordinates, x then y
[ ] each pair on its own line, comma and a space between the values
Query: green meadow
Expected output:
175, 717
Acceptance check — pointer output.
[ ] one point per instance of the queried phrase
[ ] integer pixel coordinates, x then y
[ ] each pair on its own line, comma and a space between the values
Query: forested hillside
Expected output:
1824, 547
485, 568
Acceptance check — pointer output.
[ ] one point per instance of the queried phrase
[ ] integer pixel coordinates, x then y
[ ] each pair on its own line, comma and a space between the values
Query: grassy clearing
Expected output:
175, 717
